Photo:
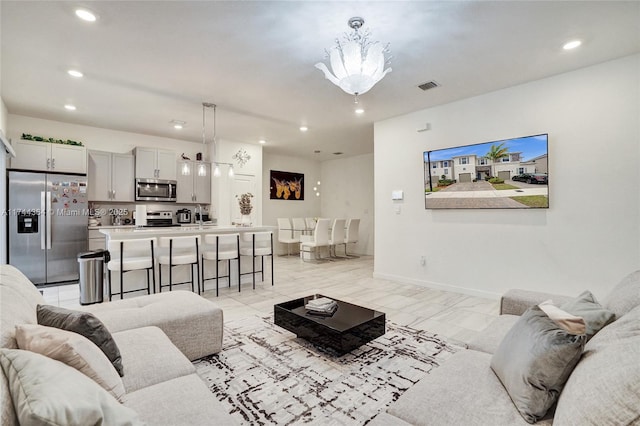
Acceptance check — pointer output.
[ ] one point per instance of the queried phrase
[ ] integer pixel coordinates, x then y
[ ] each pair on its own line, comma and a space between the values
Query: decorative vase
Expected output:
246, 220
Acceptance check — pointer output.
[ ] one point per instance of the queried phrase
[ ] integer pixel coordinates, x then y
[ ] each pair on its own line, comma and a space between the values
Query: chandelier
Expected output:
357, 63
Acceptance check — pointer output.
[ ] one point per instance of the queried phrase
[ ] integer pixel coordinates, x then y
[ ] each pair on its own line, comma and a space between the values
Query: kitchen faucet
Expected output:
199, 210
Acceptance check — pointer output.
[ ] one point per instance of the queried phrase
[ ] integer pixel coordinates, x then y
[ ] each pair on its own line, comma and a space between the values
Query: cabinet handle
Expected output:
53, 163
48, 163
113, 194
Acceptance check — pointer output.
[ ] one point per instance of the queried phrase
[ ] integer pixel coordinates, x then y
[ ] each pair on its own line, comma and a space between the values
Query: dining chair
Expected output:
337, 237
285, 233
353, 229
299, 227
310, 225
319, 239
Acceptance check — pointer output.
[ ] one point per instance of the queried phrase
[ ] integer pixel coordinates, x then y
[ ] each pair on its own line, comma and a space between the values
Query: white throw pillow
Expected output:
74, 350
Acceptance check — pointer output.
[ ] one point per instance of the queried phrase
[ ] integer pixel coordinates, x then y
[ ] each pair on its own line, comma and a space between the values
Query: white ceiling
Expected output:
149, 62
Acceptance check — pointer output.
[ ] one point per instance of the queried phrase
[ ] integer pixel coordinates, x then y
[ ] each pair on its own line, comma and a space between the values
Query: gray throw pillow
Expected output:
85, 324
534, 360
594, 315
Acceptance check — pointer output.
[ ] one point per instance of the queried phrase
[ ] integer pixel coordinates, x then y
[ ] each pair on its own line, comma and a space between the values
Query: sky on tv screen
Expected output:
530, 147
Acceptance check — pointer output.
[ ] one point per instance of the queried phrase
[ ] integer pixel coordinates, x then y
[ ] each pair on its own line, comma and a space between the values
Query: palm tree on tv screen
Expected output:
497, 152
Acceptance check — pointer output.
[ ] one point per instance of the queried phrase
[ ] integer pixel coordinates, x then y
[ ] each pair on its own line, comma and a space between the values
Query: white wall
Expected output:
347, 192
3, 185
309, 207
587, 239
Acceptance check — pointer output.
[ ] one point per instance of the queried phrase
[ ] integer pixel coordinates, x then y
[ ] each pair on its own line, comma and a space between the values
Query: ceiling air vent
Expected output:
338, 153
428, 85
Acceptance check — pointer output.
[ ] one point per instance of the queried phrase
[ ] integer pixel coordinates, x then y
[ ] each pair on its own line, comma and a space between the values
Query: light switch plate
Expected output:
397, 194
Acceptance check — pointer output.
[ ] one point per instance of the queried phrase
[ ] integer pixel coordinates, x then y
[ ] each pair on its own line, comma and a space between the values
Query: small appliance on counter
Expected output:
184, 216
205, 217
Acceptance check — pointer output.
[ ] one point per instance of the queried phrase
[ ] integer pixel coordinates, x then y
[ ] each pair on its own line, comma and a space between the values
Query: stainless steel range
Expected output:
159, 219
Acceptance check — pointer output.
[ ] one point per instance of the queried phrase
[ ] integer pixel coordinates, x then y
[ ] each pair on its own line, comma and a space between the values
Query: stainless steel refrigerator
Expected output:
48, 216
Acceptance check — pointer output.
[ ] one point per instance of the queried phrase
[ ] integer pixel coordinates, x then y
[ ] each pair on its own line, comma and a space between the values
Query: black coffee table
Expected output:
350, 327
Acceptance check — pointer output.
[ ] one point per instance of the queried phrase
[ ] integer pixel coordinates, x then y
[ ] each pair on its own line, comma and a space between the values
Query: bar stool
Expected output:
178, 251
258, 244
131, 255
221, 247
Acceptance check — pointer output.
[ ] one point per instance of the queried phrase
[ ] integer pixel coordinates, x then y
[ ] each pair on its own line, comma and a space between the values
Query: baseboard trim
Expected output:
438, 286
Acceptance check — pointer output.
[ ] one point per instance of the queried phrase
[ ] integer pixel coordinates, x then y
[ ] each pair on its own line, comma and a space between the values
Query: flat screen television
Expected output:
505, 174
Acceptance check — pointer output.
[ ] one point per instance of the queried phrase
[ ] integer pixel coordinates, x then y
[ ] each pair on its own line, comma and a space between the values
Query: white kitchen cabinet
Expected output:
50, 157
154, 163
110, 176
96, 240
194, 187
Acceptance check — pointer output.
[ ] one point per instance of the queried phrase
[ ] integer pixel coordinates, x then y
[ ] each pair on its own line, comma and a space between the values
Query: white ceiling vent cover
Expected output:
429, 85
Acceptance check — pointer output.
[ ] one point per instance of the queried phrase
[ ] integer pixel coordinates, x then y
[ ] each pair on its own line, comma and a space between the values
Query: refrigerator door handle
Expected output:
49, 213
43, 211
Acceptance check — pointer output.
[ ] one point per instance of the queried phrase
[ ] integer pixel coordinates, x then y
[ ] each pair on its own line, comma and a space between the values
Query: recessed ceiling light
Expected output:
75, 73
572, 45
178, 124
359, 111
262, 141
86, 15
303, 128
338, 153
70, 107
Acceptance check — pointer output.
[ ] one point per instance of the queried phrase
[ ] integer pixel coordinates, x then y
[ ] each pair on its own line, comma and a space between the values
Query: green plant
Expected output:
495, 180
29, 137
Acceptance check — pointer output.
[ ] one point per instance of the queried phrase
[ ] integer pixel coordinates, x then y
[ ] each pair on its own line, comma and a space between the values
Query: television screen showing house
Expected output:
506, 174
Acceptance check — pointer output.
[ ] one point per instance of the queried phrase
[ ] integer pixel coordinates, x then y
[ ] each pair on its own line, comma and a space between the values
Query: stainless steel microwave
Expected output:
155, 190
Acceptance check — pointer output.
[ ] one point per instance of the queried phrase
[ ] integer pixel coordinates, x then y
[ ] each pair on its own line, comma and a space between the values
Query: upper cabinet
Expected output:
194, 182
154, 163
50, 157
110, 176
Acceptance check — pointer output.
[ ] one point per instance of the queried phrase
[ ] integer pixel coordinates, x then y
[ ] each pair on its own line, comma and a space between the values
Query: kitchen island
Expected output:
182, 274
129, 233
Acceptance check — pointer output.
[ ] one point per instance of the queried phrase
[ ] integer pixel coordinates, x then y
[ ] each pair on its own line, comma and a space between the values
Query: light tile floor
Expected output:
454, 315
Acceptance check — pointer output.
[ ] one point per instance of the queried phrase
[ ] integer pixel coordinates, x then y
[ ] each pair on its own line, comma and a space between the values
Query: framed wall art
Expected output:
286, 185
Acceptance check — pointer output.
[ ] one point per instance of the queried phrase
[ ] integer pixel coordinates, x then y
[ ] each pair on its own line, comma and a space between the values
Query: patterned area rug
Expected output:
265, 375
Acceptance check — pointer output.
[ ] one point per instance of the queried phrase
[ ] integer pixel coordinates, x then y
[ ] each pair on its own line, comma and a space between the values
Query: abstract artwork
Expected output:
286, 185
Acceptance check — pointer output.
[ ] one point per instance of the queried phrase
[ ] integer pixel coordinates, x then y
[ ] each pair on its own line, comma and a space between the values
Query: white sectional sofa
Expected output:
157, 335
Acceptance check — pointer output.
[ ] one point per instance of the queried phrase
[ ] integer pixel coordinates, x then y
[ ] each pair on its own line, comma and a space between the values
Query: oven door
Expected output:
155, 190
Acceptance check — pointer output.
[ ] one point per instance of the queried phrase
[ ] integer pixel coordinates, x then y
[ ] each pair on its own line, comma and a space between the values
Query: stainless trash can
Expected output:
91, 276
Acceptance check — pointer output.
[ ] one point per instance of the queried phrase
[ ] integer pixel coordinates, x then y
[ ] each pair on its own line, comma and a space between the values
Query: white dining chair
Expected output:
310, 225
299, 227
285, 233
353, 230
337, 237
319, 239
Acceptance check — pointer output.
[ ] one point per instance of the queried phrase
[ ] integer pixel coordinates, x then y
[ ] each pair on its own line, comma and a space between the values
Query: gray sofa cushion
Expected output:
587, 307
604, 388
625, 296
462, 391
192, 323
489, 339
534, 361
149, 358
85, 324
182, 401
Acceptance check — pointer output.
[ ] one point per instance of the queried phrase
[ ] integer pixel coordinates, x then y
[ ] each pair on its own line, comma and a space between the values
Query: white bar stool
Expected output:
131, 255
221, 247
178, 251
258, 244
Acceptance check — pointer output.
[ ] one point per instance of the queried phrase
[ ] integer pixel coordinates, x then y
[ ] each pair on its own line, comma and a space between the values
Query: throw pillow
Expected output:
85, 324
568, 322
534, 360
74, 350
604, 388
625, 296
47, 392
586, 306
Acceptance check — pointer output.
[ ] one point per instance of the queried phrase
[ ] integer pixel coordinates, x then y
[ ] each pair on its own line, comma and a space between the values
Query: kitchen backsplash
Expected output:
105, 212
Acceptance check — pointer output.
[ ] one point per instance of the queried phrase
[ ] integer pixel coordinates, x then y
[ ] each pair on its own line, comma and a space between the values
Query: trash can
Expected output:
91, 276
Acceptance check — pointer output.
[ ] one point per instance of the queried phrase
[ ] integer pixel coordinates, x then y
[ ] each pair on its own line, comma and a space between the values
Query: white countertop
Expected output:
128, 232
